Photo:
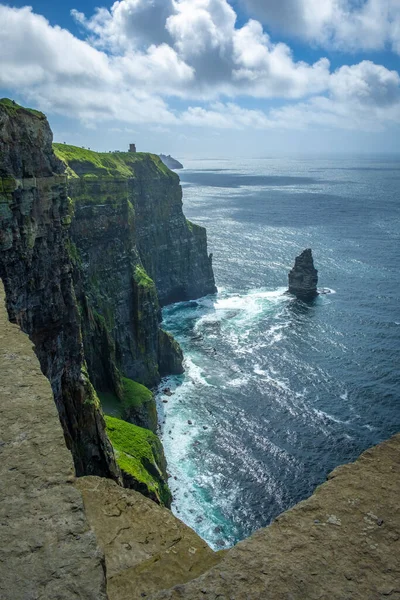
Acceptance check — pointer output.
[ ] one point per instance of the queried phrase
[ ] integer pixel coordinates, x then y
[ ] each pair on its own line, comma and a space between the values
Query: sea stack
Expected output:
303, 278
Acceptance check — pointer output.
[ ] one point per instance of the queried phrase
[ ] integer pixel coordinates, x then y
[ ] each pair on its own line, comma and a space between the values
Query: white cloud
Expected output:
366, 84
225, 116
268, 69
342, 24
129, 23
195, 52
363, 97
203, 37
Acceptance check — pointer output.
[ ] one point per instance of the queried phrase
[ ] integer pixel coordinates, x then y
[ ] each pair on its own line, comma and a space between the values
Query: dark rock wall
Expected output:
86, 263
36, 270
115, 287
173, 250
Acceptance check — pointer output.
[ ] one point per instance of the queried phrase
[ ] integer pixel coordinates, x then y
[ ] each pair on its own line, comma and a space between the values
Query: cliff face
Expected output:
173, 250
76, 238
37, 275
114, 283
171, 162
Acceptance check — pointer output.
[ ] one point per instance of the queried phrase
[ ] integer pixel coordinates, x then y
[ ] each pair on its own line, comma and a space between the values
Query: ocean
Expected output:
277, 393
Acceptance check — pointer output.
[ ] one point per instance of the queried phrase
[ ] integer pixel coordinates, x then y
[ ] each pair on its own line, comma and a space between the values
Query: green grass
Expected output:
142, 278
135, 394
136, 450
90, 165
193, 226
12, 108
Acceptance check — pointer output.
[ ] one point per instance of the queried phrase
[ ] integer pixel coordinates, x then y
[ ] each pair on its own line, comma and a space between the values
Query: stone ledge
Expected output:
47, 549
147, 549
342, 543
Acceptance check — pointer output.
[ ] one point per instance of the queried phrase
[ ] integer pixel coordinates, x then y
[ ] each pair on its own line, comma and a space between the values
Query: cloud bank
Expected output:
138, 58
347, 25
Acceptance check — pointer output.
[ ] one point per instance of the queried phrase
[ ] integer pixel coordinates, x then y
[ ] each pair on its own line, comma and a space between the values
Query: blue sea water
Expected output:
278, 392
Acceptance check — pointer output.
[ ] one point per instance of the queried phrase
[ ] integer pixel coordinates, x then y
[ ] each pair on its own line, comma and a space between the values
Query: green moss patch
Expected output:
137, 405
193, 227
140, 456
135, 394
142, 278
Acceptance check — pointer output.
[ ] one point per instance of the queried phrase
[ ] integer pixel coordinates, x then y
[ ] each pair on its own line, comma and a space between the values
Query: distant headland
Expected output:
170, 162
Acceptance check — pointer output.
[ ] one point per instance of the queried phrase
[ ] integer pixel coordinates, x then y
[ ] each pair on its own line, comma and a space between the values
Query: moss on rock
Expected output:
142, 278
141, 459
139, 405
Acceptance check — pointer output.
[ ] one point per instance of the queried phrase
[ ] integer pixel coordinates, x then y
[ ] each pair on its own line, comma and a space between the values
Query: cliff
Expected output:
36, 270
140, 188
90, 246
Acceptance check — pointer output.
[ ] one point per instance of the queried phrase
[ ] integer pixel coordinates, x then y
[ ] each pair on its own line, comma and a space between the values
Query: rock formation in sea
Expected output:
171, 162
303, 278
91, 246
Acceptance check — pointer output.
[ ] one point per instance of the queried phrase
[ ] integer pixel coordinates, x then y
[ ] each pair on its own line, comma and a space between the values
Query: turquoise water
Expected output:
278, 392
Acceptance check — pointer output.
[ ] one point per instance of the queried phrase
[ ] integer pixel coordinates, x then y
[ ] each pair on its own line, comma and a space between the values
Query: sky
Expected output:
209, 78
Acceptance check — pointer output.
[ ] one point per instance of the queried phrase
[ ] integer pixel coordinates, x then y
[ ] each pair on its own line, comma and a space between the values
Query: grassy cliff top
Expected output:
12, 109
90, 164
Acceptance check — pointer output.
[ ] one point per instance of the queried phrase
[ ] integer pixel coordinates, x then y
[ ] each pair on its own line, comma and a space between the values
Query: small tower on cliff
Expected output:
132, 147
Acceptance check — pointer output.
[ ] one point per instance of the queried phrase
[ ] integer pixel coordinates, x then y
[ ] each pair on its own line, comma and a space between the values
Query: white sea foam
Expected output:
242, 309
369, 427
238, 382
326, 290
325, 416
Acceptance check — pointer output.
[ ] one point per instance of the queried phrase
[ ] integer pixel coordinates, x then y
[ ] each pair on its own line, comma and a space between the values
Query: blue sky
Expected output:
209, 77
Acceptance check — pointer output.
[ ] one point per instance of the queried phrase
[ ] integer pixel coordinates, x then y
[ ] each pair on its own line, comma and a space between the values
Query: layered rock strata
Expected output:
303, 278
47, 549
